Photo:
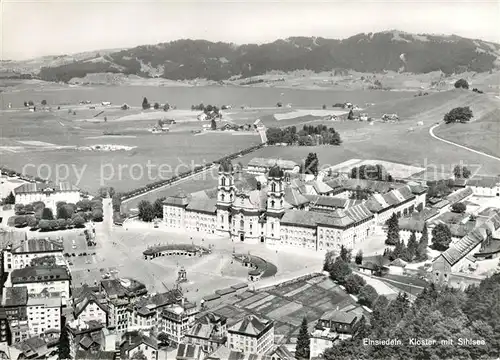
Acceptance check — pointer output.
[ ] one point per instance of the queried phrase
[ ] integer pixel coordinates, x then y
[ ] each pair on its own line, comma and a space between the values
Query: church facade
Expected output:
275, 212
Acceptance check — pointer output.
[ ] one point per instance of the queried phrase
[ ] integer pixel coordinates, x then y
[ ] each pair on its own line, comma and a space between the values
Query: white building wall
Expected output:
13, 261
93, 312
42, 317
173, 216
61, 286
148, 351
50, 200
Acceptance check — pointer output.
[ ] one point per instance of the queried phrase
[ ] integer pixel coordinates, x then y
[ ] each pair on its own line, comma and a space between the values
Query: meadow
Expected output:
406, 142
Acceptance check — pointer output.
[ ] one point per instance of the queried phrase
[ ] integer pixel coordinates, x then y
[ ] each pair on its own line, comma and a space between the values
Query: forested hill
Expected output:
190, 59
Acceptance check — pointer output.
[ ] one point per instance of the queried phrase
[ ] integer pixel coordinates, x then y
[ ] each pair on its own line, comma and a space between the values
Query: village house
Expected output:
14, 303
209, 331
49, 194
135, 343
251, 335
485, 186
332, 326
20, 256
146, 312
90, 338
262, 166
119, 294
177, 319
44, 315
459, 257
42, 279
90, 306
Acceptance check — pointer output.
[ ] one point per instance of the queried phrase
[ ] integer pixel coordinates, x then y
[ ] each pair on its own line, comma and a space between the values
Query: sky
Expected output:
32, 28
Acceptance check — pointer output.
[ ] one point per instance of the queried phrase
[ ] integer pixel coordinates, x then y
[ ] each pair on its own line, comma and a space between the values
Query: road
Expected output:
431, 133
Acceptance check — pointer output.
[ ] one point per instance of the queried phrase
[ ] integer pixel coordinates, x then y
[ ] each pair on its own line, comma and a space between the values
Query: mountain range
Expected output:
370, 53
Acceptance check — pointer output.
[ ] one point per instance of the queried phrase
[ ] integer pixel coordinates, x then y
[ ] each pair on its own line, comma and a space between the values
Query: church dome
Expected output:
276, 172
226, 166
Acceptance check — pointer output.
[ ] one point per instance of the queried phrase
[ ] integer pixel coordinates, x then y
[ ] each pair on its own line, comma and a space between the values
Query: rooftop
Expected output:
250, 325
269, 162
42, 187
464, 246
339, 316
37, 246
40, 273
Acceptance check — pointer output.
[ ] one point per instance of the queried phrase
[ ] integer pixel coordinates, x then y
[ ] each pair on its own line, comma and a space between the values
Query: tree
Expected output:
156, 106
302, 349
412, 246
458, 114
461, 172
84, 205
330, 257
25, 104
351, 115
420, 207
461, 84
146, 211
354, 283
359, 257
47, 214
311, 164
31, 103
213, 124
392, 230
139, 355
345, 254
441, 237
44, 225
367, 295
158, 207
106, 191
44, 102
63, 347
340, 271
145, 104
32, 221
163, 338
47, 260
97, 215
63, 212
9, 199
324, 107
459, 208
78, 221
166, 107
61, 223
279, 104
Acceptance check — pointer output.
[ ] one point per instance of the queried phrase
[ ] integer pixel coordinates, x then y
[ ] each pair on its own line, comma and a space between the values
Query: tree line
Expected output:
68, 215
309, 136
438, 313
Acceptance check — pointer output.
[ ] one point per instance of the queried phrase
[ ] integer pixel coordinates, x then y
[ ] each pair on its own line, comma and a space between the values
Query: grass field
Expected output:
482, 134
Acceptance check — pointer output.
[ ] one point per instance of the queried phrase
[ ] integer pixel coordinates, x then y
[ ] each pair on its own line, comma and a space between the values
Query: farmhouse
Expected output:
259, 166
20, 256
485, 186
49, 194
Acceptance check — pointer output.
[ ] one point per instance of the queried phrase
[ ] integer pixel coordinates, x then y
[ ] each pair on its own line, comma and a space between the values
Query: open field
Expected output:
482, 134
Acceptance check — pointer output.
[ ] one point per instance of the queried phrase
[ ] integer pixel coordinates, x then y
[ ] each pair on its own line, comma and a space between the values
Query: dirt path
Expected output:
431, 133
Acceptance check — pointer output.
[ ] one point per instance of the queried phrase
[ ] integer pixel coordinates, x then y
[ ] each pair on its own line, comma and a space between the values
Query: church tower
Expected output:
275, 203
225, 195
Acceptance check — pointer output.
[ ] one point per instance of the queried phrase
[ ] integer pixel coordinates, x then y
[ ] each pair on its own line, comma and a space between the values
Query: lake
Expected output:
184, 97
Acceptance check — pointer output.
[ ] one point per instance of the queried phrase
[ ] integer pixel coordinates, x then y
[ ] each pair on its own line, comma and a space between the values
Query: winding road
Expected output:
431, 133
